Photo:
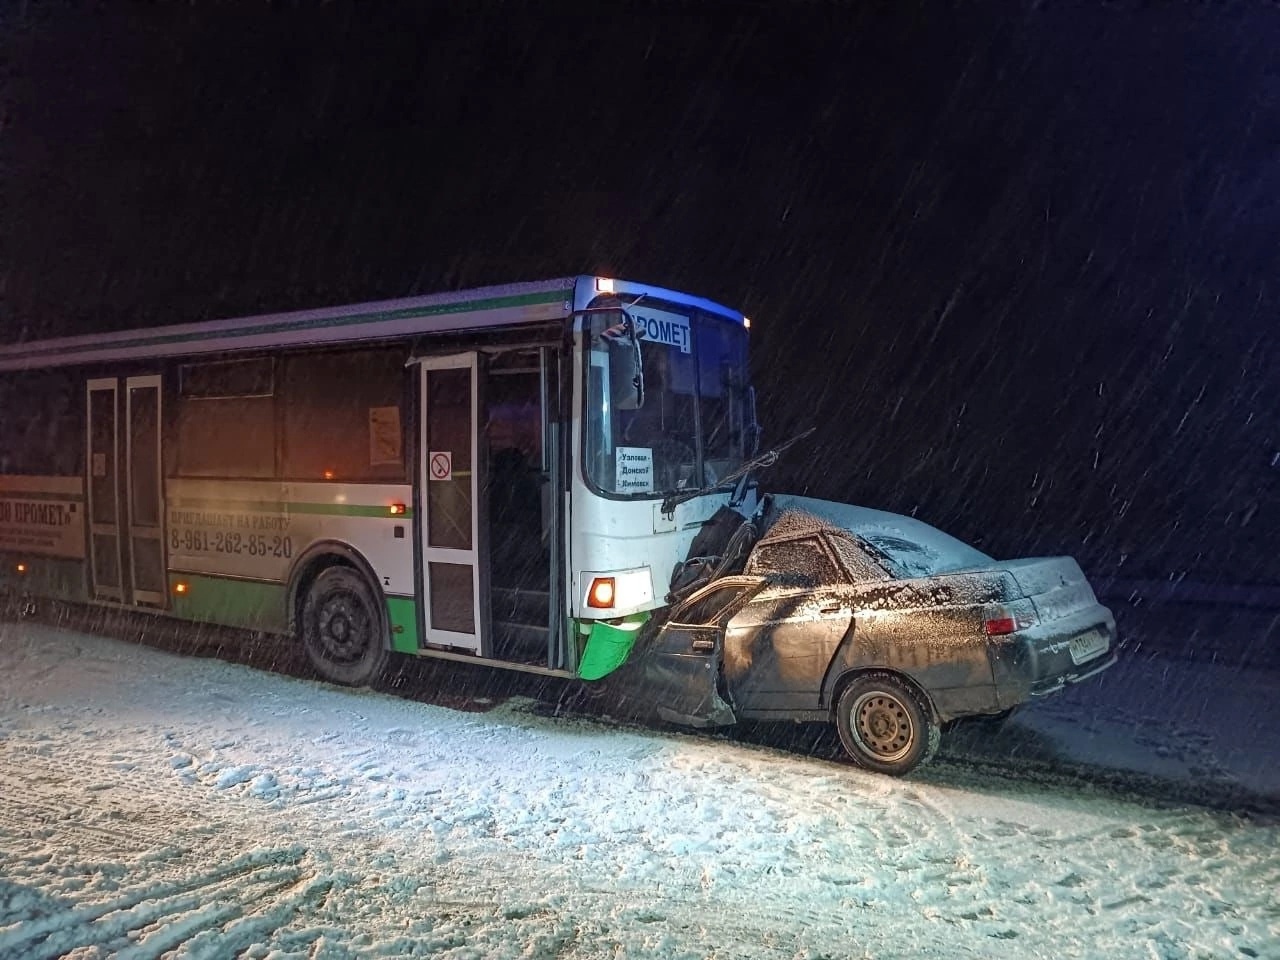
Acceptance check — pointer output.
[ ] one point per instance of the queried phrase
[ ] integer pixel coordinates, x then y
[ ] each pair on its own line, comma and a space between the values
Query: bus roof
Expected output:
493, 306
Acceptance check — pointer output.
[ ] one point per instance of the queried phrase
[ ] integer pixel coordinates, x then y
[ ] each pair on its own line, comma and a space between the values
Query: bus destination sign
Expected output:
662, 326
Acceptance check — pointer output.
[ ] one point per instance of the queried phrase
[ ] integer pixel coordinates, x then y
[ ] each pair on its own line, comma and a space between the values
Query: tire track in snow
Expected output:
952, 862
124, 807
504, 836
167, 913
135, 820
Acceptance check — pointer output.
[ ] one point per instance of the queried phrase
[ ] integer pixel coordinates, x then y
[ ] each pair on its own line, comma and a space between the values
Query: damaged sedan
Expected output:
877, 623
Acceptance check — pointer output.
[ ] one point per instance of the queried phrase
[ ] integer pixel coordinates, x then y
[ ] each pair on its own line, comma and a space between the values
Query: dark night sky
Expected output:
1018, 262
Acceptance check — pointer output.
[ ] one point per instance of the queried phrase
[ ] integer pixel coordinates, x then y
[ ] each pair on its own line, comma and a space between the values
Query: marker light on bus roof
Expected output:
22, 568
746, 322
179, 587
604, 285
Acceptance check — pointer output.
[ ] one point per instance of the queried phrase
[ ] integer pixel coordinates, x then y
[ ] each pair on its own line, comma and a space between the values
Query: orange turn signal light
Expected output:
600, 596
22, 568
396, 509
179, 587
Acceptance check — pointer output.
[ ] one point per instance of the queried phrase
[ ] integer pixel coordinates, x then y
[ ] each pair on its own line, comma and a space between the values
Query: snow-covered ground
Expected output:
155, 805
1181, 728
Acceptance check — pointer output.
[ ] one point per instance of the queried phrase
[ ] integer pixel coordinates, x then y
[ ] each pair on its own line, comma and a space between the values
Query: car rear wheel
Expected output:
885, 724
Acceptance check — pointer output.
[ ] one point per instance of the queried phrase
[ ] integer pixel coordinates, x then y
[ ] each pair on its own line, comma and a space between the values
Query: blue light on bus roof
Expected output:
629, 288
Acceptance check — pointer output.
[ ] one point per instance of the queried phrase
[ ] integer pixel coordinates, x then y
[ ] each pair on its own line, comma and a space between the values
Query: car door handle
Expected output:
831, 608
702, 646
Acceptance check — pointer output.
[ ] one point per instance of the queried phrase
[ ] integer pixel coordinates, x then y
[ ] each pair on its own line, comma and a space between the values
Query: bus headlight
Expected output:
600, 593
619, 592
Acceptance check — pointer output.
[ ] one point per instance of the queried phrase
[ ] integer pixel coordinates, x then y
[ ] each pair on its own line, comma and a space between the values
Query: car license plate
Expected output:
1088, 645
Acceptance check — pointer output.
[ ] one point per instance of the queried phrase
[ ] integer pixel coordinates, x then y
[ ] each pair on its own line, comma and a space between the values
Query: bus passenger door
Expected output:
126, 491
455, 601
521, 470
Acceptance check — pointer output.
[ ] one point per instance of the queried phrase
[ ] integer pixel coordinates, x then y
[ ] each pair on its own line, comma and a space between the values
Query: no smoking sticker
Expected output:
440, 463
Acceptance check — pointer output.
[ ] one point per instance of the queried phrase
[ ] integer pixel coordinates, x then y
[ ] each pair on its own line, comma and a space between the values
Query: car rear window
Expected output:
924, 560
861, 564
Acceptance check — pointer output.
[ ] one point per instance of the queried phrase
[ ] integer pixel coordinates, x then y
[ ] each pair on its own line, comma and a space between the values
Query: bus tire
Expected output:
343, 630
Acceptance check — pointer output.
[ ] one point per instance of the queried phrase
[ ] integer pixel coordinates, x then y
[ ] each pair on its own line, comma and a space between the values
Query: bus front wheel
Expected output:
342, 629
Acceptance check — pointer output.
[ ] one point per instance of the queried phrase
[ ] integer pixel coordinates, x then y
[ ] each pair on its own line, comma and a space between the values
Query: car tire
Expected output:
885, 724
343, 631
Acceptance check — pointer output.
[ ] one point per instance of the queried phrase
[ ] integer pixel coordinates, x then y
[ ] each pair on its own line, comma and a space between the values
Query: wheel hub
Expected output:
883, 725
343, 628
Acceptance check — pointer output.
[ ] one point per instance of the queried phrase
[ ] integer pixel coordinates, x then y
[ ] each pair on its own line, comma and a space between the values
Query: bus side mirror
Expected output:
626, 369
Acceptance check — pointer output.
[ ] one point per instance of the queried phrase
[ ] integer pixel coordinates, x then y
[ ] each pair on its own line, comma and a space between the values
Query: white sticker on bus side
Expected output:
257, 541
384, 435
661, 326
42, 515
635, 470
440, 463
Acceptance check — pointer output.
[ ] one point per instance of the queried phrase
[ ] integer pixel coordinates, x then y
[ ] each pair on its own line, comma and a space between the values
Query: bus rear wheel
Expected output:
342, 628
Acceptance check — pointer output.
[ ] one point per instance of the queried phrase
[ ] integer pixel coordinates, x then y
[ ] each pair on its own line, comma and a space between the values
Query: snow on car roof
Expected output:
920, 548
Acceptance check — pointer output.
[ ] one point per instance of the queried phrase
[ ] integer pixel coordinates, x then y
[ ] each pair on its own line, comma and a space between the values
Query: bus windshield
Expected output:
677, 422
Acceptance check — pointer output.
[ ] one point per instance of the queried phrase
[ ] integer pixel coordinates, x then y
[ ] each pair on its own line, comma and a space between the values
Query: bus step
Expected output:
516, 606
520, 641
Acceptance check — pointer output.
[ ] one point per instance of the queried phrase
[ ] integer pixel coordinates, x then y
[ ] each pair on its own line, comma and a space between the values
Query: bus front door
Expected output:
455, 585
126, 491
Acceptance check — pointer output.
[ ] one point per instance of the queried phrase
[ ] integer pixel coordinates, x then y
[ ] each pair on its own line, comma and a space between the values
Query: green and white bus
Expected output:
498, 475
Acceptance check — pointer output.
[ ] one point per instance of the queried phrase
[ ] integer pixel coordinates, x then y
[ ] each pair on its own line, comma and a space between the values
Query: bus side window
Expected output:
342, 416
226, 419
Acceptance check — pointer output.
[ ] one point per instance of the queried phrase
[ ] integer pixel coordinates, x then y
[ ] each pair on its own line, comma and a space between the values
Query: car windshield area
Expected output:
665, 407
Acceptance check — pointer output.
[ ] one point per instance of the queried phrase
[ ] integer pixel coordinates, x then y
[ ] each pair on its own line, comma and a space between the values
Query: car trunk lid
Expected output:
1056, 585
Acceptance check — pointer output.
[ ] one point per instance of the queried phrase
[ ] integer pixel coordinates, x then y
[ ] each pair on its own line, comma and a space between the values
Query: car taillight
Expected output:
1000, 619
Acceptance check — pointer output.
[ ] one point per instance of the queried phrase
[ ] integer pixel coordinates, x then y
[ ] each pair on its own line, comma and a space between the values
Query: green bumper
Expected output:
608, 645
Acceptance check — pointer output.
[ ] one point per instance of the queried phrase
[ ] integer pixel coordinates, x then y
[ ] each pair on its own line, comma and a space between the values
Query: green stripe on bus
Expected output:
12, 494
259, 605
252, 604
320, 323
279, 506
402, 612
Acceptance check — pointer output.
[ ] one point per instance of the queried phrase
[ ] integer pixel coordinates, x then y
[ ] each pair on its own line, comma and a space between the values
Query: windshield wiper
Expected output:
766, 459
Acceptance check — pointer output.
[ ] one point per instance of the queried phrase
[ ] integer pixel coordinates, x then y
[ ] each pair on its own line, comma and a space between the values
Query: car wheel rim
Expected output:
343, 628
882, 726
